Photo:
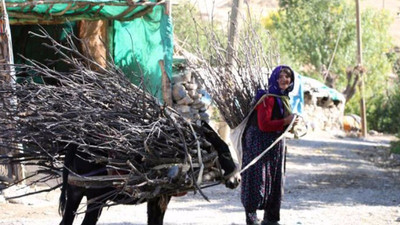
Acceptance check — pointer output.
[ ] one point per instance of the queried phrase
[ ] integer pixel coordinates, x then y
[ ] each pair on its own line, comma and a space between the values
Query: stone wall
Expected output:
189, 97
322, 113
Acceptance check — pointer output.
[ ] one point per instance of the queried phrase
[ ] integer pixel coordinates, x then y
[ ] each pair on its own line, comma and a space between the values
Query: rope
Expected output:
272, 145
336, 46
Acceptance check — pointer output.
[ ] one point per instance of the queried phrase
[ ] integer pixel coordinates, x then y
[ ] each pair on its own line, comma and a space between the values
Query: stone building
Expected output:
321, 107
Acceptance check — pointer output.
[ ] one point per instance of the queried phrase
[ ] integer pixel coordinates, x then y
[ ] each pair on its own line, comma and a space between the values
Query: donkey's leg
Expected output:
93, 213
156, 208
94, 207
74, 197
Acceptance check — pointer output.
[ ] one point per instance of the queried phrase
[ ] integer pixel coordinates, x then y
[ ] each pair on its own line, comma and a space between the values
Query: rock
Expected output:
195, 117
191, 86
204, 116
394, 156
182, 109
187, 115
373, 132
203, 109
178, 92
185, 76
193, 94
198, 104
185, 101
194, 111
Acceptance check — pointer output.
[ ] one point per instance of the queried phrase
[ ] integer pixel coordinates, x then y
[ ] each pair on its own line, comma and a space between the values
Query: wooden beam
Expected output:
7, 77
32, 17
94, 39
166, 85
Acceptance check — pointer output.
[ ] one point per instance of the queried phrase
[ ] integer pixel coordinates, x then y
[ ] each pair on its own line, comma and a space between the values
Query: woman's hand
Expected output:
287, 120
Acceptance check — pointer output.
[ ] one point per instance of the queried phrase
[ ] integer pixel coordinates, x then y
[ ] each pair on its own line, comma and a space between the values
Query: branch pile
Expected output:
233, 77
114, 122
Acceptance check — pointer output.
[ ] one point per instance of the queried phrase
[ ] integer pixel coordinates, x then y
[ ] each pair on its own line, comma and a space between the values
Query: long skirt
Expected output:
262, 183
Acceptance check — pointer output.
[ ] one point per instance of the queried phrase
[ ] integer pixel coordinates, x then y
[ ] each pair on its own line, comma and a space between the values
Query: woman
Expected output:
262, 183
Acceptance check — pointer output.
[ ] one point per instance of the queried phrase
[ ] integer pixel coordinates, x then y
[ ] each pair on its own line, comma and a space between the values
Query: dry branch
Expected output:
234, 85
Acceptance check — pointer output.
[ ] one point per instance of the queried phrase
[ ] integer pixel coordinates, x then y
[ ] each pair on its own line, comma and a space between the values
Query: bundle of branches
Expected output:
103, 115
232, 72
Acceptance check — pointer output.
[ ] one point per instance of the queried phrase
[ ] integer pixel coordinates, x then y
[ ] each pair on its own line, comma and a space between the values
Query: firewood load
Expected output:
116, 123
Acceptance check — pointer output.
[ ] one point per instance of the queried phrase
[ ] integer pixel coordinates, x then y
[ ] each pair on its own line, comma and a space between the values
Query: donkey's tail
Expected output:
69, 156
63, 198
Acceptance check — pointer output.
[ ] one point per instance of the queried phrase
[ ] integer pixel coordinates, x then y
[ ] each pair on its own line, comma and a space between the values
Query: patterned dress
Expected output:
262, 183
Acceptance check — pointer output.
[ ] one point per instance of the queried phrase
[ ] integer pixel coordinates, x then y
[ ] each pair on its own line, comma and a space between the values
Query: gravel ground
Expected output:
330, 180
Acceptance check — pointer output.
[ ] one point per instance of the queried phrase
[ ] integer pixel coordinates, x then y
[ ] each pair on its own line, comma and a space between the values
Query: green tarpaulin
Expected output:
137, 45
53, 10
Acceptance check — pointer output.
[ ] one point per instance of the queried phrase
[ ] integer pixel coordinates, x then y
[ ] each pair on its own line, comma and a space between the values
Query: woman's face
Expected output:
284, 80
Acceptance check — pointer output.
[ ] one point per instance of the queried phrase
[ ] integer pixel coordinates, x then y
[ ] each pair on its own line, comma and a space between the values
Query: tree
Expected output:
188, 25
307, 32
319, 39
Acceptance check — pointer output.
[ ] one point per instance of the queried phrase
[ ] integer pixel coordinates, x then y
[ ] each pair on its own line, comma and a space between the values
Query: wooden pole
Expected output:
165, 81
94, 36
165, 85
359, 60
233, 30
7, 76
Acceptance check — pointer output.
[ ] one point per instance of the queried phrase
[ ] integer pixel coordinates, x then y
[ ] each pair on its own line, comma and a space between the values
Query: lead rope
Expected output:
272, 145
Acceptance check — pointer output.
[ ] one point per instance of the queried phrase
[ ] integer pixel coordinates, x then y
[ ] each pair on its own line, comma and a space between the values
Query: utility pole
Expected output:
361, 71
233, 30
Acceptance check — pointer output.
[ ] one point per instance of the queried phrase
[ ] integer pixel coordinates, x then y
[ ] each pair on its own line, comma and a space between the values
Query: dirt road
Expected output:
330, 181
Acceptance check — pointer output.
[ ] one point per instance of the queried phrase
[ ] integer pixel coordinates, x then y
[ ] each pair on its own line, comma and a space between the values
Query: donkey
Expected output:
71, 195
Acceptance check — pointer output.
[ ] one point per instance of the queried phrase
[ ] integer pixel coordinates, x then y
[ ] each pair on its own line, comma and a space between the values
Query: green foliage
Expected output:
377, 44
395, 146
191, 29
394, 57
255, 37
308, 31
208, 38
384, 116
